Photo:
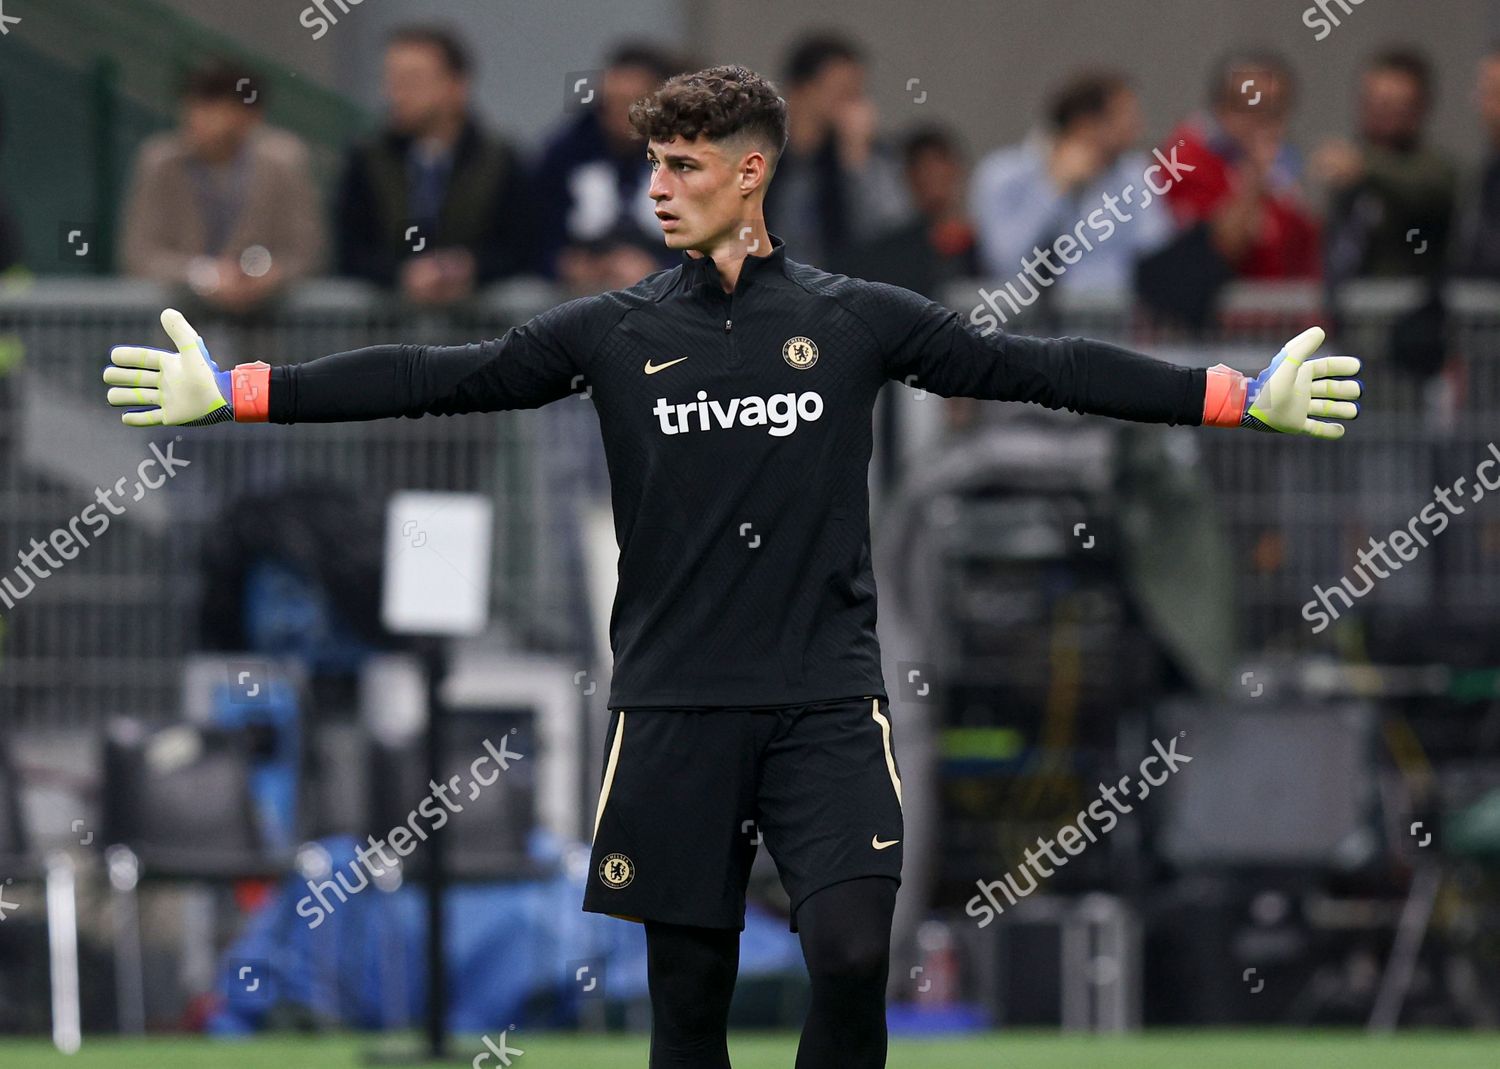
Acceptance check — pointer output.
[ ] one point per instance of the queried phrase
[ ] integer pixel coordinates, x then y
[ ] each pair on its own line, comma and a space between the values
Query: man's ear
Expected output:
753, 171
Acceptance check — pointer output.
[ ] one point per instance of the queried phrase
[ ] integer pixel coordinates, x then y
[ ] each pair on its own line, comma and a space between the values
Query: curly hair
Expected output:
719, 103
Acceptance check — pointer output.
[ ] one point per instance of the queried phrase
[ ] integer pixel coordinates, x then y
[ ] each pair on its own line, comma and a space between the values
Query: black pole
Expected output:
104, 87
437, 869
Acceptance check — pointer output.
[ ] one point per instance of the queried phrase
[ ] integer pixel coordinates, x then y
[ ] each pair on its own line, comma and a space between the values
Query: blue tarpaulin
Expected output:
519, 953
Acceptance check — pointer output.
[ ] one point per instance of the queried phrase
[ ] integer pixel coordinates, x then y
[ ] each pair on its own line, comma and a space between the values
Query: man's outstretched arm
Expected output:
529, 366
930, 347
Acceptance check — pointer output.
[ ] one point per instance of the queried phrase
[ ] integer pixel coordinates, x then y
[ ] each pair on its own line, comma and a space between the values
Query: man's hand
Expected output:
1338, 164
1288, 394
1074, 162
183, 388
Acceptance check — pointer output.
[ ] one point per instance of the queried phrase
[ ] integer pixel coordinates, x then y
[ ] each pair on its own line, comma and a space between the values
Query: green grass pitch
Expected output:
1030, 1050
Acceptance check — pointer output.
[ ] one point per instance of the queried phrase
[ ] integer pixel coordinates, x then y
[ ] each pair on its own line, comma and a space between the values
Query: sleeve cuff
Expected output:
1224, 396
251, 389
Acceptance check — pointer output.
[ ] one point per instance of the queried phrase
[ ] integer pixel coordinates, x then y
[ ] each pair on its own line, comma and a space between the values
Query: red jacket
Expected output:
1288, 243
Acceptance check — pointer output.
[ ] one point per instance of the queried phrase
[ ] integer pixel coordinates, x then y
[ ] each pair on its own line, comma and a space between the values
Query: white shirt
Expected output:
1017, 207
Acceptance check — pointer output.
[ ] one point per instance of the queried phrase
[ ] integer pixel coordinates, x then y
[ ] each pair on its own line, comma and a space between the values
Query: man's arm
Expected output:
1010, 205
152, 220
529, 366
929, 347
362, 248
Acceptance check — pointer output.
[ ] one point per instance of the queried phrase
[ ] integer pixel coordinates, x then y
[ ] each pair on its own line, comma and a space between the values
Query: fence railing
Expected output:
104, 634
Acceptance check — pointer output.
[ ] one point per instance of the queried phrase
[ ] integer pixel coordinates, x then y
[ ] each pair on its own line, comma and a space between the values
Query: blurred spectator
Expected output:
1479, 234
937, 245
1244, 185
1026, 196
835, 186
10, 232
597, 224
224, 203
434, 204
1392, 198
1234, 194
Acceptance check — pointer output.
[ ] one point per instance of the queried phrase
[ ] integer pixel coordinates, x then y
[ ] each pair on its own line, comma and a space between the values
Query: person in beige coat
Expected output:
224, 204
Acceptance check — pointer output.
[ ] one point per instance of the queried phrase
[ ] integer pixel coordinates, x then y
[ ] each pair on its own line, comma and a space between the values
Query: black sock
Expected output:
846, 940
690, 972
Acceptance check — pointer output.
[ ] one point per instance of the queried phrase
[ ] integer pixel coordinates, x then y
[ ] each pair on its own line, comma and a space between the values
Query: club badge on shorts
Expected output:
616, 870
801, 353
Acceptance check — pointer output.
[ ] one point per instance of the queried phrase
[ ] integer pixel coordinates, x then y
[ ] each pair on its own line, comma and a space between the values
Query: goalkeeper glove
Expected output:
1288, 394
184, 388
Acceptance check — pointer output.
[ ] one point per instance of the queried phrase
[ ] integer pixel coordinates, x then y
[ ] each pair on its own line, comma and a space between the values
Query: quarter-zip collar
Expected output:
701, 270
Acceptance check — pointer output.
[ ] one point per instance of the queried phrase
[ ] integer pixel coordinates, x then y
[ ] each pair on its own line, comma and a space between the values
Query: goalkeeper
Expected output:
735, 395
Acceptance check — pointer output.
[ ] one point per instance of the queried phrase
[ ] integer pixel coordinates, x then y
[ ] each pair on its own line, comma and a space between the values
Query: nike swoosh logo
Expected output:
878, 845
652, 369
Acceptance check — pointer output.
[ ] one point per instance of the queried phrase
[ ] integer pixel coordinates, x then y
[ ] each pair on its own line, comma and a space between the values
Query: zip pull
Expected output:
727, 324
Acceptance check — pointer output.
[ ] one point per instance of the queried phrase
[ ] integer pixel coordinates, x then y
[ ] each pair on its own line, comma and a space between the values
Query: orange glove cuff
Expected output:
251, 388
1224, 397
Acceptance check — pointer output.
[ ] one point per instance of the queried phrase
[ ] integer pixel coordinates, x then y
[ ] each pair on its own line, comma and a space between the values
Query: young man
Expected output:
1391, 194
426, 206
224, 204
1479, 230
1024, 196
734, 393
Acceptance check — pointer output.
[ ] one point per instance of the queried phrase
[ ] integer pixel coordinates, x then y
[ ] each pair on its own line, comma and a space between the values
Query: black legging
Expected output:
846, 942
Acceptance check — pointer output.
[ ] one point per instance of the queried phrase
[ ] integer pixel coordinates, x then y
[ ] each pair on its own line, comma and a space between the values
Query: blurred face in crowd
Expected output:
704, 189
838, 84
1119, 127
422, 94
622, 87
935, 178
216, 127
1253, 106
1487, 96
1391, 108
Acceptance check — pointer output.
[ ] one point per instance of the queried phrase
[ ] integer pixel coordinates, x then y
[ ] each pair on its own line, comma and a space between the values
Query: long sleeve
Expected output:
505, 247
1011, 201
877, 198
302, 234
150, 246
1420, 184
362, 252
928, 346
531, 365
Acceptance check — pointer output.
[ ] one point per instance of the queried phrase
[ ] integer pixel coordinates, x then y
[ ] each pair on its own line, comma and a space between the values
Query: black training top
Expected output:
737, 430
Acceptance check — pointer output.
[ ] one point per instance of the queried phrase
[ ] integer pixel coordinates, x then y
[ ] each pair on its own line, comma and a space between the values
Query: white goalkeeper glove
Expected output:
183, 388
1288, 394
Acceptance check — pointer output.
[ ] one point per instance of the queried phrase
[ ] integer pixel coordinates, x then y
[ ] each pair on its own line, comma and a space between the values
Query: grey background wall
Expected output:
984, 64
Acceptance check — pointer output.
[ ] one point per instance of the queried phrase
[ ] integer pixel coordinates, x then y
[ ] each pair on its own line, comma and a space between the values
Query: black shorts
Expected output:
688, 795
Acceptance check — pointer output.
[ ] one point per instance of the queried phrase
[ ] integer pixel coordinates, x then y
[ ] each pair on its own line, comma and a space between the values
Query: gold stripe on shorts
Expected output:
609, 772
885, 738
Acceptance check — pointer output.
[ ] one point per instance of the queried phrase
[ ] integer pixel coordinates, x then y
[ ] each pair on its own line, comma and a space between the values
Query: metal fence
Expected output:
1297, 511
104, 635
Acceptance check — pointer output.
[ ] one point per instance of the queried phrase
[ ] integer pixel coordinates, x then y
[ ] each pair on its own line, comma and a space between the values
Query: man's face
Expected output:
1390, 107
1487, 95
216, 128
420, 91
1254, 107
1122, 124
696, 187
838, 84
623, 86
936, 180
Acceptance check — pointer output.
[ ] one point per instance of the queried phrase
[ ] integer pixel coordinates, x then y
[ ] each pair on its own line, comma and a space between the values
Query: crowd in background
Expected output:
435, 205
